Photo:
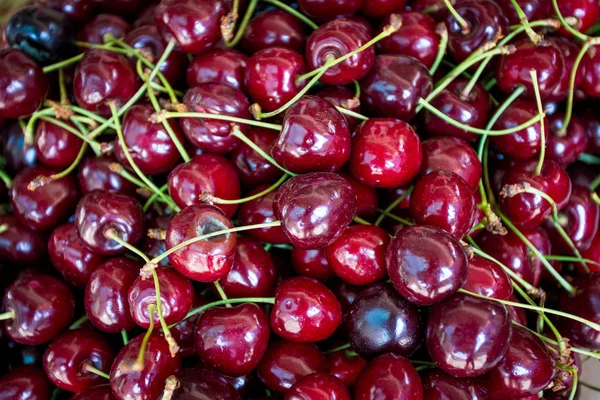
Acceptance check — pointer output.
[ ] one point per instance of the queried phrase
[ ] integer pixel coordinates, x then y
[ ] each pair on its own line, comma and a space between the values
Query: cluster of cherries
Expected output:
339, 199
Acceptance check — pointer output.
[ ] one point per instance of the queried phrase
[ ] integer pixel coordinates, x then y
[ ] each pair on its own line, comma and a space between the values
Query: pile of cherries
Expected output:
311, 200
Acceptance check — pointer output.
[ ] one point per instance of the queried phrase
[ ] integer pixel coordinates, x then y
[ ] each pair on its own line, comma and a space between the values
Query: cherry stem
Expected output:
535, 37
490, 84
538, 98
7, 315
29, 135
351, 113
566, 25
589, 159
393, 205
79, 322
90, 368
64, 98
508, 271
361, 221
571, 95
356, 90
3, 227
571, 259
154, 197
336, 349
5, 179
595, 183
443, 32
124, 173
93, 144
221, 292
85, 113
555, 343
138, 366
266, 300
173, 347
461, 21
62, 64
395, 217
245, 21
171, 114
73, 165
209, 198
573, 371
171, 384
125, 337
294, 12
561, 231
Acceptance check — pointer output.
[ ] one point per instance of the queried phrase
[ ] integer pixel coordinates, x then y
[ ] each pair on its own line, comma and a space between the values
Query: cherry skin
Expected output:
18, 154
218, 66
312, 263
25, 383
70, 257
207, 260
566, 147
102, 392
318, 386
205, 174
46, 206
95, 174
273, 28
314, 209
394, 86
96, 30
193, 24
488, 279
314, 138
586, 13
438, 385
68, 355
285, 363
325, 10
260, 211
56, 147
98, 213
105, 298
151, 246
426, 264
366, 197
381, 8
183, 332
23, 85
533, 9
584, 304
252, 169
127, 7
101, 77
380, 321
468, 336
569, 51
43, 306
305, 311
345, 367
591, 66
203, 383
526, 369
232, 340
593, 253
150, 381
77, 11
270, 76
389, 376
19, 244
341, 96
214, 98
385, 153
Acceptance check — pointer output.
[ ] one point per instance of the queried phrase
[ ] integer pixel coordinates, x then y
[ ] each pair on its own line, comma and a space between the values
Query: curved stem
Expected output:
535, 38
351, 113
238, 134
513, 275
565, 24
577, 350
443, 32
211, 199
93, 144
29, 134
266, 300
173, 347
139, 362
154, 197
538, 98
571, 95
220, 117
571, 259
292, 11
62, 64
245, 21
79, 322
90, 368
465, 27
393, 205
73, 165
221, 292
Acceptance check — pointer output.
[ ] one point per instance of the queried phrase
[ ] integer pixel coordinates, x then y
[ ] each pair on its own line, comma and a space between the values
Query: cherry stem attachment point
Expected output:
7, 315
90, 368
465, 27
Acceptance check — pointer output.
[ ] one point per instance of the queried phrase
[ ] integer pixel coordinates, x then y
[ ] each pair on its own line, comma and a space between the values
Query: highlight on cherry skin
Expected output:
299, 200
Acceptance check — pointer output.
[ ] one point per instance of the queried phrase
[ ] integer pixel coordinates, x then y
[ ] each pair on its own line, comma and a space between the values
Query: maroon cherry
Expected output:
488, 279
68, 356
252, 169
366, 197
207, 260
569, 51
318, 386
389, 376
285, 363
342, 96
273, 28
260, 211
305, 310
183, 332
325, 10
95, 31
312, 263
102, 392
18, 154
204, 383
95, 174
42, 306
585, 12
314, 209
593, 253
533, 9
19, 244
99, 214
426, 264
314, 138
585, 303
218, 66
56, 147
77, 11
25, 383
468, 336
345, 366
565, 147
438, 385
591, 67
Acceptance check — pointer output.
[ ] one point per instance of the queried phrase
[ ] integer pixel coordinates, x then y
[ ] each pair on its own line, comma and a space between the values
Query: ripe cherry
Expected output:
565, 147
320, 385
23, 85
389, 376
488, 279
252, 169
204, 383
381, 8
260, 211
329, 9
218, 66
438, 385
586, 13
585, 303
569, 51
345, 366
366, 197
77, 11
591, 66
95, 174
533, 9
183, 332
273, 28
312, 263
56, 147
19, 244
342, 96
25, 383
101, 392
96, 30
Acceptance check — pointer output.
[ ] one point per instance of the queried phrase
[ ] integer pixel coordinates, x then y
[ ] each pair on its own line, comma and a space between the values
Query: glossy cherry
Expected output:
533, 9
252, 169
25, 383
77, 11
488, 279
218, 66
585, 303
342, 96
565, 147
569, 51
23, 85
259, 211
318, 386
325, 10
203, 383
56, 147
273, 28
312, 263
95, 174
586, 13
438, 385
591, 67
345, 366
95, 31
19, 244
18, 154
389, 376
593, 253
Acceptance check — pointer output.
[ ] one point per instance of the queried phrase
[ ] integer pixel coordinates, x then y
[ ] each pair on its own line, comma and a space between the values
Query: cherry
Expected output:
183, 332
325, 10
569, 51
488, 279
207, 260
68, 355
203, 383
18, 154
285, 363
566, 147
366, 197
252, 169
380, 320
19, 244
451, 154
95, 174
124, 6
341, 96
312, 263
586, 13
218, 66
100, 213
318, 386
101, 77
77, 11
315, 137
56, 147
25, 383
260, 211
232, 340
426, 264
585, 303
70, 257
526, 369
533, 9
102, 392
389, 376
214, 98
273, 28
42, 306
46, 206
209, 174
385, 153
438, 385
394, 86
591, 67
468, 336
314, 209
270, 76
23, 85
345, 366
95, 31
593, 253
152, 246
305, 310
148, 383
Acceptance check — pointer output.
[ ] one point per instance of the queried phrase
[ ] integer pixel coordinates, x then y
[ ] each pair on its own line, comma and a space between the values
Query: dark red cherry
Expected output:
380, 321
389, 376
312, 263
23, 85
325, 10
438, 385
385, 153
70, 257
203, 383
593, 253
314, 209
98, 213
366, 197
127, 7
56, 147
285, 363
206, 260
209, 174
468, 336
345, 366
381, 8
569, 51
95, 174
305, 311
488, 279
314, 138
101, 77
260, 211
566, 147
252, 169
102, 392
342, 96
25, 383
95, 31
193, 24
426, 264
394, 86
591, 76
148, 383
270, 76
152, 246
183, 332
77, 11
526, 369
533, 9
318, 386
273, 28
218, 66
214, 98
585, 303
42, 305
18, 154
233, 340
586, 13
47, 205
19, 244
68, 355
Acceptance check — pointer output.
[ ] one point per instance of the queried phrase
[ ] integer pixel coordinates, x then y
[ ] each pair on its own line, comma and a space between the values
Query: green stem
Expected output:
220, 117
7, 315
211, 199
595, 183
6, 179
393, 205
351, 113
139, 362
90, 368
73, 165
238, 134
266, 300
566, 25
336, 349
63, 63
29, 130
538, 98
154, 197
589, 159
556, 224
513, 275
535, 38
571, 259
294, 12
79, 322
361, 221
245, 21
125, 337
572, 77
395, 217
490, 84
93, 144
465, 27
555, 343
443, 32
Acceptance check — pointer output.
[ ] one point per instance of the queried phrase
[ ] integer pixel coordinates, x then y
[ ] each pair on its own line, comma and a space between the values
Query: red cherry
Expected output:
438, 385
25, 383
77, 11
95, 174
318, 386
260, 211
325, 10
488, 279
586, 13
389, 376
273, 28
19, 244
366, 197
56, 147
593, 253
585, 303
96, 30
345, 366
183, 332
342, 96
204, 383
252, 169
218, 66
591, 67
102, 392
566, 147
312, 263
569, 51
